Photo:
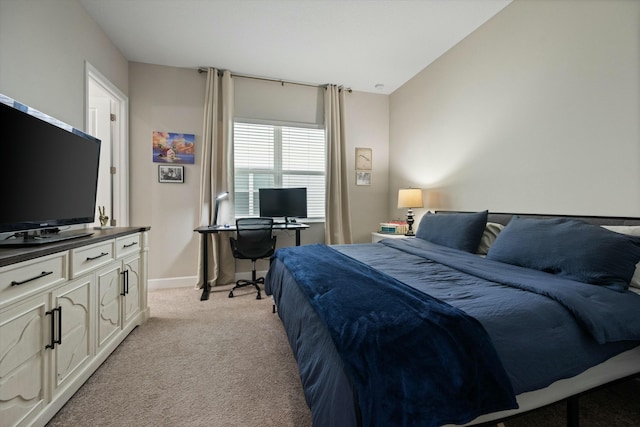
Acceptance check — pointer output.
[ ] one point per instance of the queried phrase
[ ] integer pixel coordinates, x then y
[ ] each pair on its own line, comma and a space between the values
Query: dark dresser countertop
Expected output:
12, 255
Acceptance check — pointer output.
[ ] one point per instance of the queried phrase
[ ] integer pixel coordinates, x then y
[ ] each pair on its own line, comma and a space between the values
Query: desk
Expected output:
215, 229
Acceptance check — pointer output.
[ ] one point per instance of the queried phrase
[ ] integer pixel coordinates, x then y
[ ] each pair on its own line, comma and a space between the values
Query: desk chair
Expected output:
254, 240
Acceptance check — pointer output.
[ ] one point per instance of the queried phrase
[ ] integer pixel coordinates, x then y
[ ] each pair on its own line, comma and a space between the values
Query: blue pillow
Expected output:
455, 230
570, 248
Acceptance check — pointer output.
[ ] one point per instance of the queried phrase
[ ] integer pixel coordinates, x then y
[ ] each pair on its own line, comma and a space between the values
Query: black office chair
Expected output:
254, 240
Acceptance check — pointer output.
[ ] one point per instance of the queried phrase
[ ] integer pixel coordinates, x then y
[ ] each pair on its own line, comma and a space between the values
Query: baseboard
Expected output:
190, 281
172, 282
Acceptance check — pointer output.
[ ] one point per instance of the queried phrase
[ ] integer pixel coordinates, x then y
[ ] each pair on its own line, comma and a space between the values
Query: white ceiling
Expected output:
354, 43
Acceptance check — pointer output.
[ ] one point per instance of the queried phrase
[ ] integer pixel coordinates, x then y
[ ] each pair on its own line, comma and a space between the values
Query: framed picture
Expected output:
176, 148
171, 173
363, 159
363, 178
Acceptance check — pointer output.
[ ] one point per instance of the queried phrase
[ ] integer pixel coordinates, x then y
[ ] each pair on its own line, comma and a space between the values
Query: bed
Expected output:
479, 317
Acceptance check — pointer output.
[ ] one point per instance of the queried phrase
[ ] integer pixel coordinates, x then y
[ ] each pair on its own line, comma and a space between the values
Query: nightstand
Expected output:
376, 237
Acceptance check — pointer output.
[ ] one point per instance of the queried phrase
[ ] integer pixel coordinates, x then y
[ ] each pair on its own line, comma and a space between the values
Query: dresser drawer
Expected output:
91, 257
128, 245
18, 279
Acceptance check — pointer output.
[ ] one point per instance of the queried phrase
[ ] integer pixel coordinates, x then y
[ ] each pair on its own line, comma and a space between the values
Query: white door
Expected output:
107, 119
99, 125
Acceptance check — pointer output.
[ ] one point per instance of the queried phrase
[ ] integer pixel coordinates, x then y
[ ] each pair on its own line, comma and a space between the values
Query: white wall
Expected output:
367, 118
537, 111
170, 100
274, 101
43, 49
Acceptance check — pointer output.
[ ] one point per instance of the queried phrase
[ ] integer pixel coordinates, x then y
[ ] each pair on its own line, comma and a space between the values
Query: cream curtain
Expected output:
217, 175
337, 213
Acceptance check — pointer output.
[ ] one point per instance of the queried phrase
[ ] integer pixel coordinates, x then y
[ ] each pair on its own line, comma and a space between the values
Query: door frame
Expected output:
119, 142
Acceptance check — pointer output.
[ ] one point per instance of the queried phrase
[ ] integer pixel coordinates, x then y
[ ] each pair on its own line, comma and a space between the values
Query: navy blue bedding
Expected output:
409, 356
539, 333
607, 316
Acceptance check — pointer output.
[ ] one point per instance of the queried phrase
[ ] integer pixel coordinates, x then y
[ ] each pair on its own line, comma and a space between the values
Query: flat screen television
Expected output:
284, 203
50, 176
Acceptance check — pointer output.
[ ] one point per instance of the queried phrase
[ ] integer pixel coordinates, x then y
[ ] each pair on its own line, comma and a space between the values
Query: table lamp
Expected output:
215, 211
410, 198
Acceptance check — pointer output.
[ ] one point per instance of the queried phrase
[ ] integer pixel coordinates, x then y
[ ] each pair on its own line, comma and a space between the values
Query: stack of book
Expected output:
393, 227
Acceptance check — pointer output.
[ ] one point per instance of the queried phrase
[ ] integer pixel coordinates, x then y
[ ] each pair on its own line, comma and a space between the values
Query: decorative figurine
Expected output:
103, 218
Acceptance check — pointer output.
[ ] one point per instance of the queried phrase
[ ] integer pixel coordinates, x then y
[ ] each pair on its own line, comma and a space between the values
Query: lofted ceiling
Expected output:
360, 44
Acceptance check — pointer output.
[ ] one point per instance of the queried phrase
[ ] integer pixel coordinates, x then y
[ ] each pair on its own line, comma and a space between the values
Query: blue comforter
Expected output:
410, 356
607, 316
542, 328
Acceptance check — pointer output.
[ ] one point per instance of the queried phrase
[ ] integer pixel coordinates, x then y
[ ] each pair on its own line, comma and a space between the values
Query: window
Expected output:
274, 156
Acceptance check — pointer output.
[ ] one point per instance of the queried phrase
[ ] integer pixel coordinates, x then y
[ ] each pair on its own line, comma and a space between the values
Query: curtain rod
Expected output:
266, 79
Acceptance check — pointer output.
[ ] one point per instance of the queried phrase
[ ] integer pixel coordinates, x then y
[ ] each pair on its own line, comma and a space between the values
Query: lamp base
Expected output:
410, 223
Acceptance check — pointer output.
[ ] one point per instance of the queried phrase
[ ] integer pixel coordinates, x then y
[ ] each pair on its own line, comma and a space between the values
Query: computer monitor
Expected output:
283, 202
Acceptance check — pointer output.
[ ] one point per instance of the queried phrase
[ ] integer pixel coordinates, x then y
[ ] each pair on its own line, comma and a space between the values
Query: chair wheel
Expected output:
259, 296
231, 294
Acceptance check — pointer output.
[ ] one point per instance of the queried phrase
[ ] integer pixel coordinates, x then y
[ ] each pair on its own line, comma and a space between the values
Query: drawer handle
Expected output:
44, 273
129, 245
125, 283
55, 341
91, 258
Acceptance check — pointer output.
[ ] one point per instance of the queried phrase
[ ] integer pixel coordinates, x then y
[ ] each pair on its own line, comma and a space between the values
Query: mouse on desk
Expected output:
226, 226
293, 220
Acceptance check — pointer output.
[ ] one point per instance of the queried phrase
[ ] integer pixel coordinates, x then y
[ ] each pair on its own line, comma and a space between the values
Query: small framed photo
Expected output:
170, 173
363, 178
363, 158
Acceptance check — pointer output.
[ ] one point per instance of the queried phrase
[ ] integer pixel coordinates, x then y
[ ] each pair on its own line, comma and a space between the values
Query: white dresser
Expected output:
64, 308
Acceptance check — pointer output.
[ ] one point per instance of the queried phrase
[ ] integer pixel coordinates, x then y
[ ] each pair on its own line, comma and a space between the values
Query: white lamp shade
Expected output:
410, 198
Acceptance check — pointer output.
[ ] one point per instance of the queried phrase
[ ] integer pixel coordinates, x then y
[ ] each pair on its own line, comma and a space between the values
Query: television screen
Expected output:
283, 202
50, 171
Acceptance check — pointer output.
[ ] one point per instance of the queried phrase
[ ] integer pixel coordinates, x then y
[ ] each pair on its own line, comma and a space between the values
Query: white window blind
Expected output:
274, 156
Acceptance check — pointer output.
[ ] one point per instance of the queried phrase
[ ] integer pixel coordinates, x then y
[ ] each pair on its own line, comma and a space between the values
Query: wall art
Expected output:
169, 147
171, 173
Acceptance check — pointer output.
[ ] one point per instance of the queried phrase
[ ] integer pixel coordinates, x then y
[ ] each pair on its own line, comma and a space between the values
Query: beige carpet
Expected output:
227, 362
